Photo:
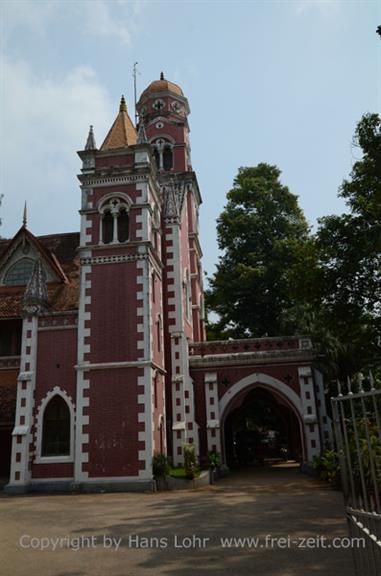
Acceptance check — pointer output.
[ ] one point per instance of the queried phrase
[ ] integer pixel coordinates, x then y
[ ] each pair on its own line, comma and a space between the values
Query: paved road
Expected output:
253, 504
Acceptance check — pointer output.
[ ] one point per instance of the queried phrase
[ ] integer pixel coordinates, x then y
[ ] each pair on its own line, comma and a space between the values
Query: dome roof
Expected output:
163, 85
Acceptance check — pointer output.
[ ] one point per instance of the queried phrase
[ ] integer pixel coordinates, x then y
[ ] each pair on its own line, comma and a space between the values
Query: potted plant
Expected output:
214, 463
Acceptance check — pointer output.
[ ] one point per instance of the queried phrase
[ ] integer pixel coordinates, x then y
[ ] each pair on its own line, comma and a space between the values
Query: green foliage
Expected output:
214, 459
364, 455
190, 460
263, 235
160, 465
275, 278
180, 472
327, 466
349, 254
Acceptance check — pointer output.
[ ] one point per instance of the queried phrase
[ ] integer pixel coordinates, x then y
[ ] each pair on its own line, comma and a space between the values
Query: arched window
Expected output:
107, 227
167, 158
114, 221
162, 150
123, 225
19, 273
56, 428
157, 157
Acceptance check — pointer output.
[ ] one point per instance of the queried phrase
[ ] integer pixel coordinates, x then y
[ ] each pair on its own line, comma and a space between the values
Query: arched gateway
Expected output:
232, 377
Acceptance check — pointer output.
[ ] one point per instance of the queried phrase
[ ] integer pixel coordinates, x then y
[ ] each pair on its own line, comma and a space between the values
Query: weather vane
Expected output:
134, 74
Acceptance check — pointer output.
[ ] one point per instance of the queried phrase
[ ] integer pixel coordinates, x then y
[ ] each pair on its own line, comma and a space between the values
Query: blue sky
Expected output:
280, 82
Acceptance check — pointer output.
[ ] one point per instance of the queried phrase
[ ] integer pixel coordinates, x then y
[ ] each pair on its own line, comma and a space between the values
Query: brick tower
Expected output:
120, 385
163, 111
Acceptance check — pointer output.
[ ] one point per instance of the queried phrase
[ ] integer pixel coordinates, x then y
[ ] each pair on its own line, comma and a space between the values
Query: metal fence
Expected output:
356, 416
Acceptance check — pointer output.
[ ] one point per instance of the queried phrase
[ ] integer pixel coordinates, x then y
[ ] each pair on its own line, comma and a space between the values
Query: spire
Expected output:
123, 105
35, 300
162, 76
25, 216
90, 142
142, 136
122, 133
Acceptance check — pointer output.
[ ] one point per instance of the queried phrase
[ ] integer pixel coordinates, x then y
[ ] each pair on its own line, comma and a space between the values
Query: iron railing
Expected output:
356, 416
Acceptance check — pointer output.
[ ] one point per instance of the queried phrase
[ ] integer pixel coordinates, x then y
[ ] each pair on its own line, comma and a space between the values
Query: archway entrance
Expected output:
260, 428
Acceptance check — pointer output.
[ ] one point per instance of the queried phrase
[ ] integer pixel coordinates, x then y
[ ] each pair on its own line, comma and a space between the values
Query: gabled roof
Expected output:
47, 255
59, 250
122, 133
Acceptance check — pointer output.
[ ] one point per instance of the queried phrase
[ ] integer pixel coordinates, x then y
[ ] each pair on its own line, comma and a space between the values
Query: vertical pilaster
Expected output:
311, 426
23, 431
212, 412
325, 422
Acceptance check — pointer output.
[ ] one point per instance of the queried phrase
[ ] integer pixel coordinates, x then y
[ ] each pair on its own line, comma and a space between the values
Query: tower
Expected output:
120, 366
163, 110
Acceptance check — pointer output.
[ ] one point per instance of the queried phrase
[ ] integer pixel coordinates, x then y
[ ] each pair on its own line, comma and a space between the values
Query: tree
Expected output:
264, 238
349, 258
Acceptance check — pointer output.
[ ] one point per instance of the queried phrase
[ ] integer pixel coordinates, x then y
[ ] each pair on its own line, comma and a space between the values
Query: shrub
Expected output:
214, 459
160, 465
190, 461
327, 466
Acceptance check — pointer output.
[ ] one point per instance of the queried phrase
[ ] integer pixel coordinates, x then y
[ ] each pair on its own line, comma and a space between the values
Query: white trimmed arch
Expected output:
56, 391
269, 382
104, 201
261, 380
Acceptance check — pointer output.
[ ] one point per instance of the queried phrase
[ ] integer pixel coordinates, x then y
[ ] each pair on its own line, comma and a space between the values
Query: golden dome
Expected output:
163, 85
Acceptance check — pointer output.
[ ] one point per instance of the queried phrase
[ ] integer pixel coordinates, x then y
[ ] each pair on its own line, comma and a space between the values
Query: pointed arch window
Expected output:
123, 225
19, 273
163, 152
56, 428
115, 221
167, 158
107, 227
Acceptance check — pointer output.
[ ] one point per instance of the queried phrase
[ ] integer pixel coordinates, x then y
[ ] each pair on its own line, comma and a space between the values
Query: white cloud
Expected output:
44, 121
25, 14
102, 21
117, 20
327, 8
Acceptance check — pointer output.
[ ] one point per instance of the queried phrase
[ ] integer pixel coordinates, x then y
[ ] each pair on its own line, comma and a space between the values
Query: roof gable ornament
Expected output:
171, 212
142, 136
174, 194
35, 301
90, 142
25, 216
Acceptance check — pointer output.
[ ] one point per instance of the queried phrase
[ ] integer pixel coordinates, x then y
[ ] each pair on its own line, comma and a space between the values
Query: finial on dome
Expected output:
25, 216
161, 75
123, 105
90, 142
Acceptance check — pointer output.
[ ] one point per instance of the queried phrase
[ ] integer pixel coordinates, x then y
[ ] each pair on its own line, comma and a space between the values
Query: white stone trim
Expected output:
310, 418
260, 378
104, 199
26, 397
212, 405
82, 401
113, 259
325, 421
39, 459
146, 417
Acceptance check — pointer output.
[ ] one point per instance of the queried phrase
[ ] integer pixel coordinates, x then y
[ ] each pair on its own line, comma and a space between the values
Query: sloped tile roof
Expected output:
63, 296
